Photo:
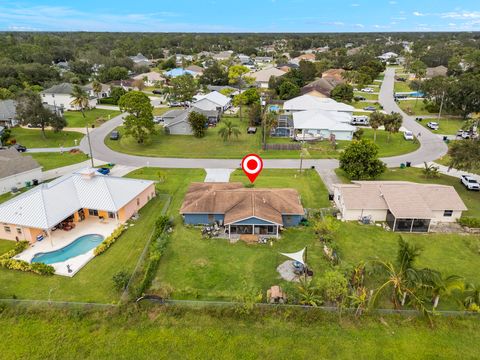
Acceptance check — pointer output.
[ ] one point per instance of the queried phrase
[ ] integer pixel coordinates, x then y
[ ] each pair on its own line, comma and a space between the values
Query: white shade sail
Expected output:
297, 256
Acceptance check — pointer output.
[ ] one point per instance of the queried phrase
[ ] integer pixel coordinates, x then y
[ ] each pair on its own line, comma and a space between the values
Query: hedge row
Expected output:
100, 249
469, 222
107, 101
7, 262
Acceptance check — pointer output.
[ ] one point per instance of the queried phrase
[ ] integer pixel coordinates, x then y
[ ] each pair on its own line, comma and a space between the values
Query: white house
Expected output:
213, 101
59, 96
8, 113
16, 170
310, 102
405, 206
104, 92
322, 125
387, 56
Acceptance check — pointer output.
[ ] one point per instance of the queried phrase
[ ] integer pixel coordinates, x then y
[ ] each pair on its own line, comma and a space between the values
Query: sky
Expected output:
240, 15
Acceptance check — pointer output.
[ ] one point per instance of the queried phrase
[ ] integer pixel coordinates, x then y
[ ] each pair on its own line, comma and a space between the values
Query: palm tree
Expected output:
440, 286
97, 87
80, 100
430, 171
377, 119
308, 293
269, 120
393, 123
228, 130
472, 295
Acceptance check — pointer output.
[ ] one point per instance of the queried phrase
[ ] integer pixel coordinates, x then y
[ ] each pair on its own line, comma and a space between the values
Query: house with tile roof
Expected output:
240, 210
85, 194
404, 206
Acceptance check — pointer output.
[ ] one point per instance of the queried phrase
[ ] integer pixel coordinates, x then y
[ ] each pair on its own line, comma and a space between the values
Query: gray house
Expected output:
8, 113
176, 122
242, 211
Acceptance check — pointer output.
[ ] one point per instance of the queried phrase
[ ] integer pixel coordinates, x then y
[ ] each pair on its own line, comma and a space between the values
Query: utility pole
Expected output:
89, 145
441, 107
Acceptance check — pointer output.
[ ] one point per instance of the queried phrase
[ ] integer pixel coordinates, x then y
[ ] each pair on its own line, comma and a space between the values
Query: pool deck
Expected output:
61, 238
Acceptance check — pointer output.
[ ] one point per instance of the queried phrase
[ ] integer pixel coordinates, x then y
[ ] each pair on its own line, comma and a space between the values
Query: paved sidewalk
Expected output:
54, 173
218, 175
57, 149
122, 170
329, 178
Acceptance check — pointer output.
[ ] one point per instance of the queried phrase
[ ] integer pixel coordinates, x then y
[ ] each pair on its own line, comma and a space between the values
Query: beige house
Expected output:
262, 77
405, 206
72, 199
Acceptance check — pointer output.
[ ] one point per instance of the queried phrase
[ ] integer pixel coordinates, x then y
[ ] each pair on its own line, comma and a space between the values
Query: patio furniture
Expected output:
275, 295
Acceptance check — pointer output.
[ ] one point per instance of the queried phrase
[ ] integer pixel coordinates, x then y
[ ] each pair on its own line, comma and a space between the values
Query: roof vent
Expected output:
87, 173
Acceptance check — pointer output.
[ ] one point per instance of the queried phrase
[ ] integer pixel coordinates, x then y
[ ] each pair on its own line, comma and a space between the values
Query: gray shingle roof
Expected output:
12, 163
8, 109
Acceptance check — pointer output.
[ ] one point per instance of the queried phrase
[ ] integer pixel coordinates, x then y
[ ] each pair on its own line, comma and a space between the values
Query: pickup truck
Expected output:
470, 183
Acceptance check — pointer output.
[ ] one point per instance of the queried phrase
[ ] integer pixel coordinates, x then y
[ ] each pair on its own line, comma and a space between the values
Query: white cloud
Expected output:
465, 15
417, 13
355, 5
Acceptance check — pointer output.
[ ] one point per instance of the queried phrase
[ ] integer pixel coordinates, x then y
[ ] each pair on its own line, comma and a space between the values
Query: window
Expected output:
448, 213
111, 215
138, 202
92, 212
7, 229
19, 231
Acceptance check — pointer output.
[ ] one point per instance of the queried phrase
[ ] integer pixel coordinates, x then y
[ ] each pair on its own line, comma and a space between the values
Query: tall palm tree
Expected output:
393, 123
440, 286
269, 120
377, 119
97, 87
228, 130
80, 100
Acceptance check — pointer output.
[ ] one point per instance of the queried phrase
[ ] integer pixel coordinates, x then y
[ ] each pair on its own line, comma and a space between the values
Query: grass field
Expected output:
448, 126
33, 138
363, 104
55, 160
93, 283
402, 86
367, 96
414, 107
166, 333
93, 116
212, 146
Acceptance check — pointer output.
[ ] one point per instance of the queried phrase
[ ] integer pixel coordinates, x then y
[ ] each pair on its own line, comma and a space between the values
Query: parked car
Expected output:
19, 148
408, 135
175, 104
433, 125
114, 135
367, 90
104, 171
360, 98
157, 92
252, 130
34, 126
470, 183
360, 120
158, 120
370, 108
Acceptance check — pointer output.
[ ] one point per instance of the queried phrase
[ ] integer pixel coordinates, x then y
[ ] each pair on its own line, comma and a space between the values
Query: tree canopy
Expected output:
360, 160
139, 121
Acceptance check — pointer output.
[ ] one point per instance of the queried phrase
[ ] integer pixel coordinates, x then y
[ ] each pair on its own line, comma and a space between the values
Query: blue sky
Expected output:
240, 16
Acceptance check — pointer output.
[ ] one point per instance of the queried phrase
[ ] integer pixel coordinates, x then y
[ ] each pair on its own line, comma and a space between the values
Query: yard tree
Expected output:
418, 68
308, 70
116, 93
248, 97
269, 120
139, 121
183, 88
6, 94
465, 155
139, 84
376, 120
464, 95
228, 130
342, 93
97, 87
288, 90
360, 160
393, 123
31, 111
198, 122
214, 75
255, 114
236, 76
334, 286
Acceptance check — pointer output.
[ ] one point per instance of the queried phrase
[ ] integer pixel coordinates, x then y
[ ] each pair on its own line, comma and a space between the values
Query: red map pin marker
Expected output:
252, 165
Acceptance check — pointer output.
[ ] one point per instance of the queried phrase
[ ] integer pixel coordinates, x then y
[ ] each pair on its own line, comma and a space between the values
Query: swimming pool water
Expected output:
80, 246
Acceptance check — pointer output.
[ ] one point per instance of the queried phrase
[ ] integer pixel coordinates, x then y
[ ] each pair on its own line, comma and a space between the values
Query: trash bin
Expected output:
409, 164
402, 166
35, 182
330, 197
313, 167
445, 138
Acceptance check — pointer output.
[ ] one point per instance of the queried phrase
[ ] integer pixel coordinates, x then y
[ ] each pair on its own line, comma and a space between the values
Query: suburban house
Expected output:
104, 92
322, 125
223, 55
60, 96
323, 86
126, 85
262, 77
213, 101
233, 91
179, 58
335, 75
196, 69
176, 122
405, 206
140, 60
311, 102
436, 71
151, 78
263, 60
303, 57
179, 72
388, 56
75, 197
8, 113
242, 210
16, 171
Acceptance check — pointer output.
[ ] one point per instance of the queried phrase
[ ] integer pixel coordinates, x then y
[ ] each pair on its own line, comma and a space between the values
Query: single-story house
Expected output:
303, 57
262, 77
196, 69
83, 194
213, 101
322, 125
309, 102
219, 88
179, 58
104, 92
16, 170
176, 122
60, 96
242, 210
151, 78
436, 71
140, 60
8, 113
126, 85
388, 56
179, 72
323, 86
260, 60
405, 206
335, 75
223, 55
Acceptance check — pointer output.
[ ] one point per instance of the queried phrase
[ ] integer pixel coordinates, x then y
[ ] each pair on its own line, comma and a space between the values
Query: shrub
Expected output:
19, 247
120, 280
470, 222
108, 101
7, 262
100, 249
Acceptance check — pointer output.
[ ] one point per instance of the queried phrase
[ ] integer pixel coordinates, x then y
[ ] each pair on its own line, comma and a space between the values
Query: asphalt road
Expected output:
432, 147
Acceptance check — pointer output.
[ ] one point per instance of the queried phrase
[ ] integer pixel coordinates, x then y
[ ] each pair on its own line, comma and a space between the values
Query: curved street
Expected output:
432, 147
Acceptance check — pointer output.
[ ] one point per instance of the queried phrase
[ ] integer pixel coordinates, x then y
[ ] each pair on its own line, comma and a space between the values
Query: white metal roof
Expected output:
216, 97
309, 102
319, 119
48, 204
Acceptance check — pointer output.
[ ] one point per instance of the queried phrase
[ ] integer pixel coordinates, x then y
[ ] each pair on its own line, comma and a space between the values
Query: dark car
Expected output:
157, 92
104, 171
19, 148
360, 98
114, 135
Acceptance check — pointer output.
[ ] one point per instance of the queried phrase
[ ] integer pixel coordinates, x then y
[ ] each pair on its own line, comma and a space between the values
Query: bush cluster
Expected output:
7, 262
100, 249
470, 222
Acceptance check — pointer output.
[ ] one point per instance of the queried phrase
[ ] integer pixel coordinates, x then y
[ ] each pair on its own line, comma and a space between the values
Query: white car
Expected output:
433, 125
367, 90
360, 120
408, 135
470, 183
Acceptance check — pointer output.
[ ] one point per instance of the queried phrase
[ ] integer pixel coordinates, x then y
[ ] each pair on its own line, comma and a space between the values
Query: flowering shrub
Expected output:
100, 249
7, 262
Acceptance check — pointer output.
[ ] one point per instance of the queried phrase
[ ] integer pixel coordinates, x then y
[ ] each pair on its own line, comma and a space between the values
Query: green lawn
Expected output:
93, 116
212, 146
363, 104
402, 86
367, 96
161, 111
166, 333
33, 138
448, 126
414, 107
93, 283
55, 160
396, 145
445, 160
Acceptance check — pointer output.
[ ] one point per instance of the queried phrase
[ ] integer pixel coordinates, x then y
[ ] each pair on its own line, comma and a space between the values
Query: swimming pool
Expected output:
80, 246
274, 108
